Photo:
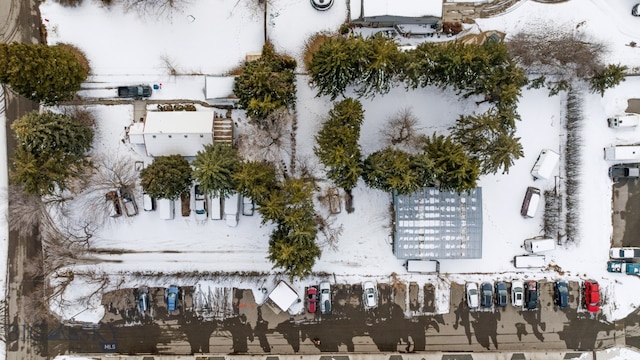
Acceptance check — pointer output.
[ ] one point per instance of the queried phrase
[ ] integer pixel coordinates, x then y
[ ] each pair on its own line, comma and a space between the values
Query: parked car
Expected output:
617, 266
517, 293
624, 252
143, 299
502, 294
312, 299
472, 295
247, 206
486, 295
128, 202
201, 204
531, 295
635, 11
370, 294
231, 209
172, 298
624, 171
592, 296
325, 298
135, 91
148, 203
561, 294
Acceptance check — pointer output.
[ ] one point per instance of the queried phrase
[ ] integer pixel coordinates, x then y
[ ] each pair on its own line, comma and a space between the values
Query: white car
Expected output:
517, 293
370, 294
325, 298
472, 295
624, 253
201, 205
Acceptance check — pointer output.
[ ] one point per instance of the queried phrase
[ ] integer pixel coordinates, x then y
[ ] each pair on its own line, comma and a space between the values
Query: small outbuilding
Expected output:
218, 90
282, 297
394, 12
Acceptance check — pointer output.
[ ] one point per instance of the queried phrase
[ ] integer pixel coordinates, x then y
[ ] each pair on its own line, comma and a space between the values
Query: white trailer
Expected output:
545, 164
539, 245
529, 261
623, 153
627, 120
423, 266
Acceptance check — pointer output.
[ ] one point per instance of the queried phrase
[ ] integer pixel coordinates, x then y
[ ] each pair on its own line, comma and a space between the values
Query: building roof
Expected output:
402, 8
434, 224
177, 132
283, 296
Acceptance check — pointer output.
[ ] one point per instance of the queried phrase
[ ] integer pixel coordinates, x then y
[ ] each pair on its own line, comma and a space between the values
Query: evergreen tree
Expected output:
611, 76
166, 177
214, 167
255, 180
392, 169
456, 171
266, 84
337, 143
338, 64
381, 69
41, 73
51, 149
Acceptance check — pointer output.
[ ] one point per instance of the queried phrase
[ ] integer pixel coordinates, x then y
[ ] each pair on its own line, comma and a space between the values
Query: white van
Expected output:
215, 207
148, 203
423, 266
530, 202
627, 120
166, 209
545, 165
622, 153
231, 209
539, 245
529, 261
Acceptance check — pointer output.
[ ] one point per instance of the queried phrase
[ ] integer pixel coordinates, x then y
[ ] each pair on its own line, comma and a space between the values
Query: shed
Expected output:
283, 296
219, 89
394, 12
177, 132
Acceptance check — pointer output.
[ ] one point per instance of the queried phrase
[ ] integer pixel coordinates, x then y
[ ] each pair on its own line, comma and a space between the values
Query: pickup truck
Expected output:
135, 91
623, 267
624, 171
624, 253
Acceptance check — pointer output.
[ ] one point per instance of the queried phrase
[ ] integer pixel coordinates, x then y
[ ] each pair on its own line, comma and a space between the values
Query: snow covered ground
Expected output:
226, 31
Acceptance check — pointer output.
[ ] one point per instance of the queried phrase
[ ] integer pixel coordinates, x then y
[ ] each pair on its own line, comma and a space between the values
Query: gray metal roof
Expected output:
431, 224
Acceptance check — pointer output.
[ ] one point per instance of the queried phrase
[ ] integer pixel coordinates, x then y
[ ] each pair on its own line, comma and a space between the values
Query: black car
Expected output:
486, 295
561, 294
531, 295
502, 294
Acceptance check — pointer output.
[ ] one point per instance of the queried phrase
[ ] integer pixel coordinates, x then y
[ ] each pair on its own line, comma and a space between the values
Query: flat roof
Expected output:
178, 122
434, 224
405, 8
283, 296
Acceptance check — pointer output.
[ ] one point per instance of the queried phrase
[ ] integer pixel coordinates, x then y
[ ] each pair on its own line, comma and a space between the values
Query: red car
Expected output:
592, 296
312, 299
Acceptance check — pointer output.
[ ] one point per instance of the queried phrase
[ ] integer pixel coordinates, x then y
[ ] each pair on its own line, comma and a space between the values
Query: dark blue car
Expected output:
561, 294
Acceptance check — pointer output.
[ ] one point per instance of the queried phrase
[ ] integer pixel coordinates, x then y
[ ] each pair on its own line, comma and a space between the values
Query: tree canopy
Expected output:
266, 84
166, 177
41, 73
456, 171
51, 149
214, 167
393, 169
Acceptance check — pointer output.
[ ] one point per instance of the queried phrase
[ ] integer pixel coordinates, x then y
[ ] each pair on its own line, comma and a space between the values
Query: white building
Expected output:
394, 12
174, 132
218, 90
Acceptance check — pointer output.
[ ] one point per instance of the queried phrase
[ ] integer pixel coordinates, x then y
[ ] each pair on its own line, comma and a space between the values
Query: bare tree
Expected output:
27, 211
155, 8
169, 64
400, 131
269, 140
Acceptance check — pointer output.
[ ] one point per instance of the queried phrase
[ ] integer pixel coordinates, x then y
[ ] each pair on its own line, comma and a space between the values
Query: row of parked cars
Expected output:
143, 299
321, 295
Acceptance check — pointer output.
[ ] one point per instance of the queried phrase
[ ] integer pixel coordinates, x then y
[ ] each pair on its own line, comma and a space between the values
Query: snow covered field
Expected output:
225, 33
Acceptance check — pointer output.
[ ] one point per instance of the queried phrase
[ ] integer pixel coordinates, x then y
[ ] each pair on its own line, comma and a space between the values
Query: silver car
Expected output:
517, 293
370, 294
472, 295
325, 298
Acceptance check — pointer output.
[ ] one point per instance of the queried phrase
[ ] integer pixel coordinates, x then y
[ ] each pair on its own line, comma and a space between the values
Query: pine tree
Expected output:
391, 169
456, 171
52, 148
381, 69
338, 64
266, 84
166, 177
255, 180
41, 73
337, 143
611, 76
214, 167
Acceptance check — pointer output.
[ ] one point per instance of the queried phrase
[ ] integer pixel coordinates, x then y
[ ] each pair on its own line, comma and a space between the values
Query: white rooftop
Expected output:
283, 296
177, 132
408, 8
218, 87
